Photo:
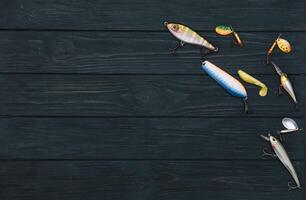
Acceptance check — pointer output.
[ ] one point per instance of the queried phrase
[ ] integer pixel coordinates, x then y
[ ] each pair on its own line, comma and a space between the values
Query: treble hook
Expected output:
290, 187
179, 44
279, 92
296, 107
265, 153
204, 53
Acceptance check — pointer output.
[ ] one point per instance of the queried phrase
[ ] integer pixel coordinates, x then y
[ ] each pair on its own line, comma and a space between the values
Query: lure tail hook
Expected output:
290, 187
295, 106
246, 106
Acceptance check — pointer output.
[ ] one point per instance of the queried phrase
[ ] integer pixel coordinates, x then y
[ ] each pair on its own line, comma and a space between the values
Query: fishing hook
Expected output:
205, 53
179, 44
279, 91
246, 107
295, 106
290, 187
266, 153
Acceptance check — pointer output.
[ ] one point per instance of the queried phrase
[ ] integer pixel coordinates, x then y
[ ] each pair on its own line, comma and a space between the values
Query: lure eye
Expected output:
175, 27
273, 139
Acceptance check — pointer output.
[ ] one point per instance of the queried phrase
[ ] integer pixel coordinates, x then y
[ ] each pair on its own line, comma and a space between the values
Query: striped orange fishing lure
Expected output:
186, 35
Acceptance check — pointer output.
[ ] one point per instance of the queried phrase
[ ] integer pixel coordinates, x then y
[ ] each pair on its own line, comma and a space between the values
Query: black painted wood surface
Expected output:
138, 53
141, 138
93, 106
270, 15
146, 180
138, 95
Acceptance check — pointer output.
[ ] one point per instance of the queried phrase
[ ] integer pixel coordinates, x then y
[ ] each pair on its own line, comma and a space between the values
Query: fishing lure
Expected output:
250, 79
282, 155
227, 30
285, 83
186, 35
282, 44
290, 125
228, 82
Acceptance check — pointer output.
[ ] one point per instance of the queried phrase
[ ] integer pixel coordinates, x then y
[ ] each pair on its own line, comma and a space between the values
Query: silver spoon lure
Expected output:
290, 125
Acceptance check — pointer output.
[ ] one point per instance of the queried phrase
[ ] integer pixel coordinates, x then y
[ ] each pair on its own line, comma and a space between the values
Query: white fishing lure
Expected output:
281, 153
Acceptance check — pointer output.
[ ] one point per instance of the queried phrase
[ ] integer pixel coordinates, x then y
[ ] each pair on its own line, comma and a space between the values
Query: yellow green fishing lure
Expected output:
224, 30
227, 30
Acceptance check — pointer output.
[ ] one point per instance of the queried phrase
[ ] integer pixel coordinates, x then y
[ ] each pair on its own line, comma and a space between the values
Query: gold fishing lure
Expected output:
227, 30
282, 44
285, 83
186, 35
250, 79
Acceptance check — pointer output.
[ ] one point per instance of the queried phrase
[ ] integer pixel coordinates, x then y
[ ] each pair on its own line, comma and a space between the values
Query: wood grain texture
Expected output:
139, 52
142, 138
88, 95
93, 106
153, 180
150, 15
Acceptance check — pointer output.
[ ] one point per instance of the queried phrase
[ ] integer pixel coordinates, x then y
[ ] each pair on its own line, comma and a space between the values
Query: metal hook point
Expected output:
204, 52
295, 107
290, 187
265, 153
246, 107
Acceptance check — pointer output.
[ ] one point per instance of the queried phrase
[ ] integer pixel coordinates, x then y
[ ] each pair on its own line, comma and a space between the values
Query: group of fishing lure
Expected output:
186, 35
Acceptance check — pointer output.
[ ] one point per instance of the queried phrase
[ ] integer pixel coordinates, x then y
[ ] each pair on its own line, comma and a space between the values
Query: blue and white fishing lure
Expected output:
228, 82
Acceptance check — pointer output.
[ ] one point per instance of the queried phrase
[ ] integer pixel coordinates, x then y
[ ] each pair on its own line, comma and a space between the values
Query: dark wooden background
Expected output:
93, 106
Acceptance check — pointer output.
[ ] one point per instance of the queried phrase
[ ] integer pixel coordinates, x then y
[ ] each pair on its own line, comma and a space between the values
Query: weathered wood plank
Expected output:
147, 180
141, 138
150, 15
138, 52
98, 95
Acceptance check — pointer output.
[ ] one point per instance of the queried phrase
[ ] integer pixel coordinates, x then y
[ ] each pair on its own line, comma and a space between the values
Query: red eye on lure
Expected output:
282, 44
228, 30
